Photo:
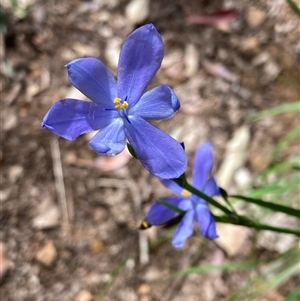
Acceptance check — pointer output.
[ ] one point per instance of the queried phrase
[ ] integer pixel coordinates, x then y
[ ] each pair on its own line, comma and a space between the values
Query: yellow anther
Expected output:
185, 193
117, 100
119, 105
145, 225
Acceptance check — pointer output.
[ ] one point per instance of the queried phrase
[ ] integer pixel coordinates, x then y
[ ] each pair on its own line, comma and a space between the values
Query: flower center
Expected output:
119, 104
185, 193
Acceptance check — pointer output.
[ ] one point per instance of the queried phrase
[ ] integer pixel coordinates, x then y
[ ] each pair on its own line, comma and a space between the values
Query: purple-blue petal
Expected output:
111, 140
70, 118
159, 214
211, 188
174, 187
203, 163
184, 230
140, 58
91, 77
159, 153
206, 221
158, 103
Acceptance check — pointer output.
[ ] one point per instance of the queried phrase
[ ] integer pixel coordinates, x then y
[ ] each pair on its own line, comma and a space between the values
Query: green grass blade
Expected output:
282, 268
293, 295
225, 267
243, 221
294, 7
170, 206
291, 136
285, 108
269, 205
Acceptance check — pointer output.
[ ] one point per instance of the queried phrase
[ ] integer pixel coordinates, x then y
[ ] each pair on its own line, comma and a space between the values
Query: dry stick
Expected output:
143, 237
137, 202
59, 180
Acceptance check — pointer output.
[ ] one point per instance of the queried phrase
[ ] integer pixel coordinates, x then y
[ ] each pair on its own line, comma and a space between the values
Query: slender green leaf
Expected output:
294, 7
170, 206
243, 221
269, 205
210, 200
131, 150
285, 108
225, 267
288, 82
291, 136
281, 269
293, 295
276, 189
282, 166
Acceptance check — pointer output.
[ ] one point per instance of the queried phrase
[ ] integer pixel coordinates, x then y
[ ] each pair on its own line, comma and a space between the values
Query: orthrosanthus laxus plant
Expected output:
120, 109
195, 208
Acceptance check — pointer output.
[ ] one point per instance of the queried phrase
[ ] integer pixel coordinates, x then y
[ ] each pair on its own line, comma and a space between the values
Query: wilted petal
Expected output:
159, 214
140, 58
91, 77
110, 141
184, 230
203, 163
70, 118
211, 188
158, 103
159, 153
206, 221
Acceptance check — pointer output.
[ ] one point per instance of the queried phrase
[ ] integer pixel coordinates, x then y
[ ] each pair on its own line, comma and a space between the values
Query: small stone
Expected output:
15, 172
112, 51
271, 70
191, 60
232, 239
242, 178
152, 274
96, 247
255, 17
84, 296
144, 289
48, 216
173, 65
137, 11
10, 120
250, 46
95, 279
235, 156
47, 254
4, 263
5, 194
261, 59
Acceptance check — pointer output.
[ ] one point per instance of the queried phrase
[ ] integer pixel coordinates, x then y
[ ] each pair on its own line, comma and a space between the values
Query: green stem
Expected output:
208, 199
232, 217
242, 221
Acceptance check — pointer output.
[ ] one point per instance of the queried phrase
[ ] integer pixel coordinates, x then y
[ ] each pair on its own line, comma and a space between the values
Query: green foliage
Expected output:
225, 267
276, 272
275, 190
293, 295
285, 108
20, 8
294, 7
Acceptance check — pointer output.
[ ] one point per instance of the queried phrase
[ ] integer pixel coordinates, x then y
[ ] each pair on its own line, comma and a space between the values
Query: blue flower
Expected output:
196, 209
120, 109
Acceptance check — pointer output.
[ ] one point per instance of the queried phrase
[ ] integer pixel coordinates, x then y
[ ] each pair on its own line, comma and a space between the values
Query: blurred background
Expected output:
70, 218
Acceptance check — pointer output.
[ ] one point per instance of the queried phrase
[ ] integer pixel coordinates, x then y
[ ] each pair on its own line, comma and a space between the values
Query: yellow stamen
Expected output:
119, 105
185, 193
145, 225
117, 100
